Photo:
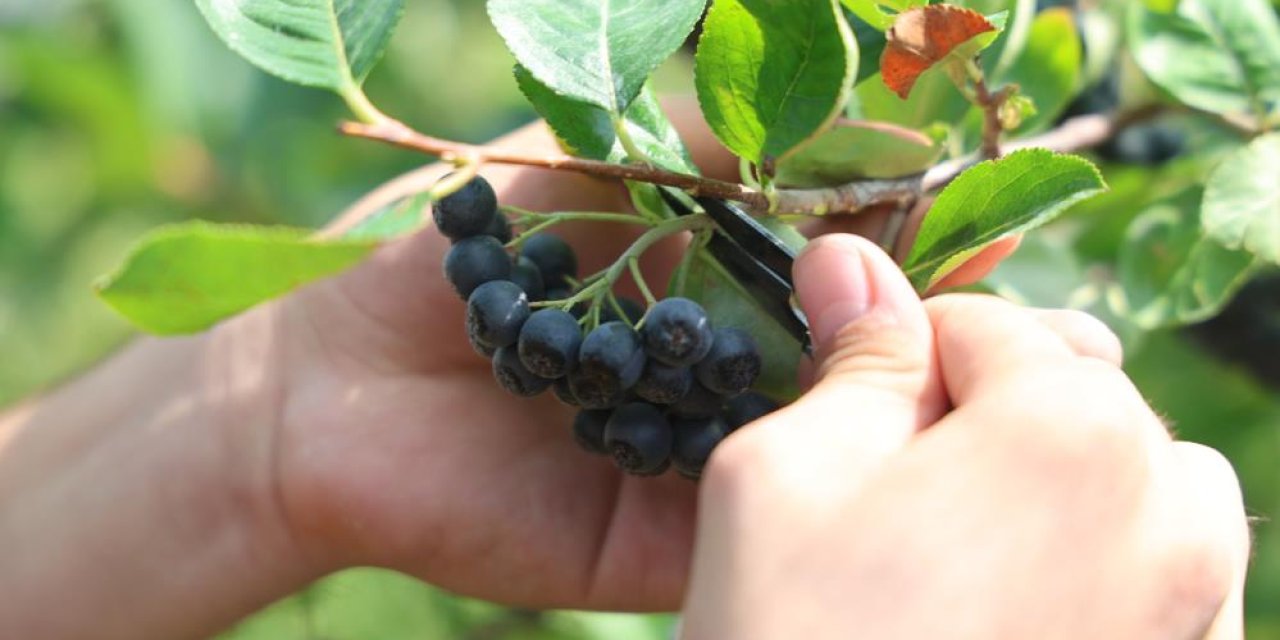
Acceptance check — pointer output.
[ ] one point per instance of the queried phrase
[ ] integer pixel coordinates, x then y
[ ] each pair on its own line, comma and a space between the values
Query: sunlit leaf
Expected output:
770, 75
992, 200
859, 149
1242, 200
331, 44
597, 51
185, 278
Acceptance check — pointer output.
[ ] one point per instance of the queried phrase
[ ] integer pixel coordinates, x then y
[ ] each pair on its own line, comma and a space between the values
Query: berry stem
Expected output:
601, 283
543, 221
634, 265
681, 275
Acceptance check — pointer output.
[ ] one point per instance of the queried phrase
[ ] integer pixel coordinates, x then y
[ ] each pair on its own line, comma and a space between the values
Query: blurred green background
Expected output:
118, 115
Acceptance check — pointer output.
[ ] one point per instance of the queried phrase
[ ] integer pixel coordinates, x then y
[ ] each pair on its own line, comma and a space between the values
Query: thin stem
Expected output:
603, 281
991, 104
545, 221
681, 275
633, 151
362, 107
634, 265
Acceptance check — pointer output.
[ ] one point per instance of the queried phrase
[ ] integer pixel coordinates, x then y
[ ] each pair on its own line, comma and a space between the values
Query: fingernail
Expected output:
832, 285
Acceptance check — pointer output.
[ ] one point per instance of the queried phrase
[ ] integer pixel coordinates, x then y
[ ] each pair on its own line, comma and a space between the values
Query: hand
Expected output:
1014, 485
395, 447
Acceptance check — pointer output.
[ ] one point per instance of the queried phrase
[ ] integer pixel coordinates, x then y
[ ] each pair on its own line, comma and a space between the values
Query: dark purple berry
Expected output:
513, 377
474, 261
588, 430
639, 438
747, 408
661, 384
496, 311
549, 342
693, 442
554, 257
700, 402
612, 351
732, 365
525, 273
633, 311
677, 332
467, 212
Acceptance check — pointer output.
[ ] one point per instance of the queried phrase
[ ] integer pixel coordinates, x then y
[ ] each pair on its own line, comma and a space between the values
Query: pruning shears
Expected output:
759, 260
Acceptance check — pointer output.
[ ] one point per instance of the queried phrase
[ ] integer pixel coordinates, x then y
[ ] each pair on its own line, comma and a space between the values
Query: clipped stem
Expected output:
634, 265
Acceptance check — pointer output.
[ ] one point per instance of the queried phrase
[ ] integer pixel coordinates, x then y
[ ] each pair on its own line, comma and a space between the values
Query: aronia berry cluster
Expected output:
655, 388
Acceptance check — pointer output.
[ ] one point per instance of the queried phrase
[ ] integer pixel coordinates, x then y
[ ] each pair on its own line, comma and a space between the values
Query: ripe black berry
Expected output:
661, 384
693, 442
700, 402
747, 408
512, 375
595, 391
481, 348
554, 257
525, 273
467, 212
549, 342
588, 430
612, 352
474, 261
496, 311
499, 228
639, 438
564, 393
677, 332
732, 365
633, 311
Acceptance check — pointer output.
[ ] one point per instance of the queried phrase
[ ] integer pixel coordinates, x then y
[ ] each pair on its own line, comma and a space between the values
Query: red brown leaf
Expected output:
922, 37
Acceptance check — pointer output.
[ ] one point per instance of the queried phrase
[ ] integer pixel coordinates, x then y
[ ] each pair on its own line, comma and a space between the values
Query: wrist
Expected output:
139, 499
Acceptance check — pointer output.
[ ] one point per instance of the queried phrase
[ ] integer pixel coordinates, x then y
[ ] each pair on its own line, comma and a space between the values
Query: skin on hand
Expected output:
962, 468
346, 424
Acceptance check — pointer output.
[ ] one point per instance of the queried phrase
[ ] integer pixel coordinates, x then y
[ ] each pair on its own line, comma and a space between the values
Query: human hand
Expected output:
395, 447
963, 468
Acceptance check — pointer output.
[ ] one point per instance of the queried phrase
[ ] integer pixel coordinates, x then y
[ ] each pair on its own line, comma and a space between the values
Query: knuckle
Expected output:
1080, 410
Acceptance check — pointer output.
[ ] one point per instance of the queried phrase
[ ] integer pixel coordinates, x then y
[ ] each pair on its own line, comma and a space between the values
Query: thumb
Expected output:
876, 373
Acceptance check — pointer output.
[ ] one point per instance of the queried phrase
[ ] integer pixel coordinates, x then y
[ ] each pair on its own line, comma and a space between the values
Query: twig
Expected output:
848, 198
991, 103
1076, 134
400, 135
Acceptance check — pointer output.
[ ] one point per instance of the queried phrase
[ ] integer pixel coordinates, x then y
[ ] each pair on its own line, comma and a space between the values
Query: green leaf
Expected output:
728, 304
185, 278
400, 218
1218, 55
869, 11
596, 51
770, 75
933, 100
1048, 71
1242, 200
994, 199
587, 130
858, 149
332, 44
1171, 273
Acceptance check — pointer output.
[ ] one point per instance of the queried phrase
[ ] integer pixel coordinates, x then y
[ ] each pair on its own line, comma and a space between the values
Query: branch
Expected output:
990, 103
400, 135
1076, 134
848, 198
1073, 135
